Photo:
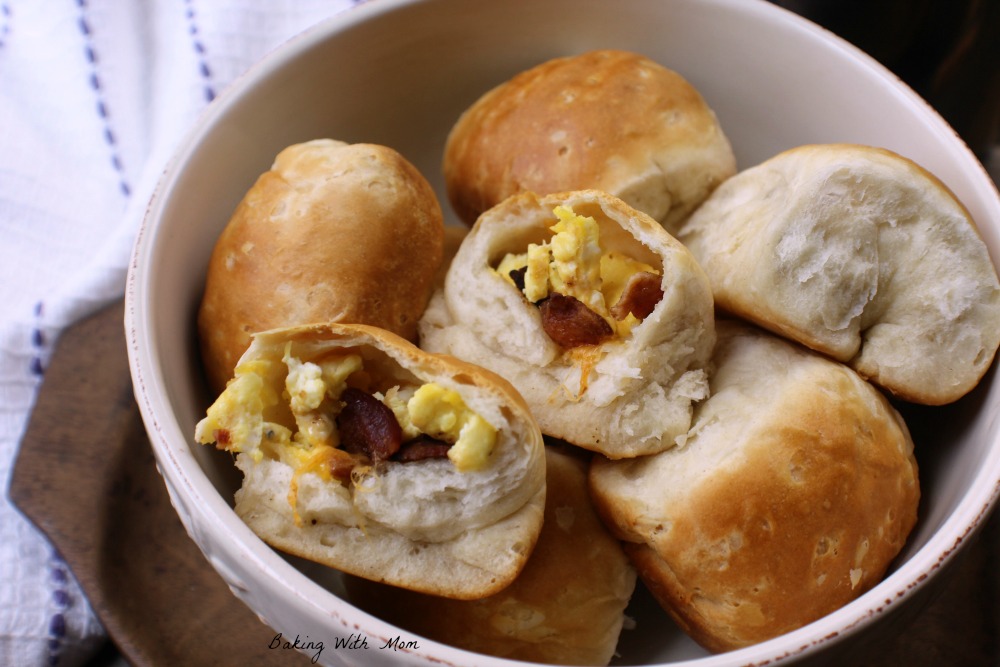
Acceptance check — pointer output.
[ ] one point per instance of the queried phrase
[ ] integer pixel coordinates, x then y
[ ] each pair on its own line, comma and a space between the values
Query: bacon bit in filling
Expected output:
222, 438
341, 466
641, 294
569, 323
369, 431
517, 276
367, 426
420, 448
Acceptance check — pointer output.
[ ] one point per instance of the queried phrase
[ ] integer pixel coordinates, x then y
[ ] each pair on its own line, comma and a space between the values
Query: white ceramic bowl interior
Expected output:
399, 72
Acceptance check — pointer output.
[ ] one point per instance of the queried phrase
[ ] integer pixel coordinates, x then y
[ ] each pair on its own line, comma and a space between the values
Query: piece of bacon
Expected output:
422, 447
223, 439
340, 466
517, 275
367, 426
641, 294
570, 323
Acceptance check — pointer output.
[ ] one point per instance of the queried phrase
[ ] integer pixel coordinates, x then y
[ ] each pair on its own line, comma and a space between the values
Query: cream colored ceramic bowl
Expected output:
399, 72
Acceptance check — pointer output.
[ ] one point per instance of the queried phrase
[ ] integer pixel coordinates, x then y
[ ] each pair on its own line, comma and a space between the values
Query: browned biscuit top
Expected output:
609, 120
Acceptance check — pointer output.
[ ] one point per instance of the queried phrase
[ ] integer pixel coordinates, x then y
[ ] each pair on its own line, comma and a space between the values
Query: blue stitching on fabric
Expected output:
101, 106
38, 341
5, 15
199, 48
62, 601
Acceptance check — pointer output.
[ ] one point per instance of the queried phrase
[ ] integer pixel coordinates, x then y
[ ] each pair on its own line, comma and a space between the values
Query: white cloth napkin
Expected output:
94, 97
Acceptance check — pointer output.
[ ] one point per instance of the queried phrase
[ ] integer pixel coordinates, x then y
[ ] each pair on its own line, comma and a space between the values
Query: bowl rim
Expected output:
201, 497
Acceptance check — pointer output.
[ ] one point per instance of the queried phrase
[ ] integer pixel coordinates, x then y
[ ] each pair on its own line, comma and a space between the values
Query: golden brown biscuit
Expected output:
332, 232
565, 608
608, 120
796, 489
362, 452
861, 254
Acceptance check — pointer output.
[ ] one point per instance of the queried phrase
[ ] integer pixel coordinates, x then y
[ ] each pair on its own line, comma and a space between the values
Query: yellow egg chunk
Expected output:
337, 370
435, 410
396, 399
576, 251
536, 278
235, 421
304, 384
441, 413
475, 443
308, 385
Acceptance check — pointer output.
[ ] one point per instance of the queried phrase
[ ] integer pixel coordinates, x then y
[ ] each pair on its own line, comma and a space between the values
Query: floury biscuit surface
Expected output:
624, 392
860, 254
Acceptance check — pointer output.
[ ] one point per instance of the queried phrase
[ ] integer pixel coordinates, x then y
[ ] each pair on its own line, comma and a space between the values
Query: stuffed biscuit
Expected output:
364, 453
599, 318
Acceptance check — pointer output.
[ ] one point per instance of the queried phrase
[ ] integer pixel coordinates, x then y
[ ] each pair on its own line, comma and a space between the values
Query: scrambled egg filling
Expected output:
441, 413
573, 263
236, 421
